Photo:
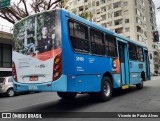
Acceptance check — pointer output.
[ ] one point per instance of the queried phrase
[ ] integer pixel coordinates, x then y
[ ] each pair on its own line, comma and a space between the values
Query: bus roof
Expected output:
36, 14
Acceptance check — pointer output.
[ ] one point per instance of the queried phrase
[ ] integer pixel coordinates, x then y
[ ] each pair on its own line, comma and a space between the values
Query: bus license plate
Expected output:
33, 78
33, 87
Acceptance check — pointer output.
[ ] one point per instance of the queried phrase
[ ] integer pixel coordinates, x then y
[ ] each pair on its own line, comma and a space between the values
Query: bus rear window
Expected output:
37, 34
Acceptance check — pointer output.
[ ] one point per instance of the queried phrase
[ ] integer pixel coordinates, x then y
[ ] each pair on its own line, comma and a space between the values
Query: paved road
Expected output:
131, 100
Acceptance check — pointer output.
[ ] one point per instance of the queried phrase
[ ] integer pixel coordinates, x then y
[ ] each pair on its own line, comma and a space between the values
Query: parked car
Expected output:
6, 86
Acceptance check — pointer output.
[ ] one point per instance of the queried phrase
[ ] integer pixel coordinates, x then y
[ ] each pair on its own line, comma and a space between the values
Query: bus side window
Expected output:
132, 51
79, 37
97, 42
140, 54
111, 48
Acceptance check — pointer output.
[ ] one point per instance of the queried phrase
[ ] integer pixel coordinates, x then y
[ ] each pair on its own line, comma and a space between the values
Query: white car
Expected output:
6, 86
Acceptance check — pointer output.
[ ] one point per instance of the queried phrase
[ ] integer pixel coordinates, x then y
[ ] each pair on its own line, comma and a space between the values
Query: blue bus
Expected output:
57, 51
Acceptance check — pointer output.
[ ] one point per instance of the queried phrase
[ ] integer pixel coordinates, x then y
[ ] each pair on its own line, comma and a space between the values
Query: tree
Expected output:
86, 14
24, 8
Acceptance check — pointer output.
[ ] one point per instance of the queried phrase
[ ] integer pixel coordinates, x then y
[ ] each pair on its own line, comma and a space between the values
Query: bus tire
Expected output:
106, 89
140, 85
67, 95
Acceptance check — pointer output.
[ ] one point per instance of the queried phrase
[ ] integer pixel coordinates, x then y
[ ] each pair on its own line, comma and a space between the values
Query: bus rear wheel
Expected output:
106, 89
140, 85
67, 95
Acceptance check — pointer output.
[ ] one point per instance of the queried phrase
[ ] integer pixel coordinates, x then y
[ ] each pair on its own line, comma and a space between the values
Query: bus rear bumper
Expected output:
54, 86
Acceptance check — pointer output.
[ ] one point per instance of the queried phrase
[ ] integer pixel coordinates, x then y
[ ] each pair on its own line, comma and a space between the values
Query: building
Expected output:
5, 51
134, 19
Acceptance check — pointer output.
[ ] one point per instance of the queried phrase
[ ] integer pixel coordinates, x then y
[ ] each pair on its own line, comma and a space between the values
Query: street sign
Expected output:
4, 3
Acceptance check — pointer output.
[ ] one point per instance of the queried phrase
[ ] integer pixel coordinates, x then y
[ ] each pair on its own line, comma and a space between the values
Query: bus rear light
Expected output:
14, 73
57, 60
116, 65
57, 68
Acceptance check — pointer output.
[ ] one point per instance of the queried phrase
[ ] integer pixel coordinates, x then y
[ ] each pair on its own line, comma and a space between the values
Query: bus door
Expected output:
147, 63
122, 49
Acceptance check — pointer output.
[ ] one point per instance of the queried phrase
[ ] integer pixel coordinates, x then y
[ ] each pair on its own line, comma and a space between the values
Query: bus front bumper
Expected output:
54, 86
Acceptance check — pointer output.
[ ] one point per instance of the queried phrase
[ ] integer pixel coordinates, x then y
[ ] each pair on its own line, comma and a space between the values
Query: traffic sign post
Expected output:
4, 3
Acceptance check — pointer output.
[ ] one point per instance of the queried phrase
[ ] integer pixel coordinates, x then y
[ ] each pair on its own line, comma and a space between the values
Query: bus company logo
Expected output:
6, 115
79, 58
20, 116
41, 66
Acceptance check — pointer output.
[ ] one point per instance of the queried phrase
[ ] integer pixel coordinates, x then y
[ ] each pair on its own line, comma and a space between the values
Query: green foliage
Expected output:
86, 15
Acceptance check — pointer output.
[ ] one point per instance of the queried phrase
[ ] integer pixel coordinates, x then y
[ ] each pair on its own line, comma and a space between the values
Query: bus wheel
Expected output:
67, 95
140, 85
106, 89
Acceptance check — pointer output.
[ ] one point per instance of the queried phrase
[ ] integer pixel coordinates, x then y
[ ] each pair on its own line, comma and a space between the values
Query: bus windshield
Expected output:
37, 34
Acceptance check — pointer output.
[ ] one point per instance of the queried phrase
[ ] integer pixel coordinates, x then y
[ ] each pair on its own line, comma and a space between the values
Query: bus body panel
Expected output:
58, 85
83, 65
136, 68
117, 80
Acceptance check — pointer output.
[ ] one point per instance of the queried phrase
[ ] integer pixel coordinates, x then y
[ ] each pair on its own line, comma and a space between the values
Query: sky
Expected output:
157, 4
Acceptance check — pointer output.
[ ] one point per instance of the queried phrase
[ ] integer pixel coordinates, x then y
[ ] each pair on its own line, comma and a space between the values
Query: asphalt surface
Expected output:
130, 100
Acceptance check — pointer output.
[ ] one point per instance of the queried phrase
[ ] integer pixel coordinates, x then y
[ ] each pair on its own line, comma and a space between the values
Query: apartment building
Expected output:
5, 51
134, 19
151, 27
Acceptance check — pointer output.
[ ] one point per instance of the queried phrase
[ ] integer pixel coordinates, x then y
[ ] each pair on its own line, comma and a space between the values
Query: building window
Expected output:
103, 17
127, 29
109, 15
126, 12
119, 30
118, 22
138, 20
126, 20
103, 9
103, 1
117, 4
97, 42
118, 13
109, 23
109, 7
97, 3
98, 11
128, 37
79, 37
139, 37
104, 25
125, 3
138, 12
